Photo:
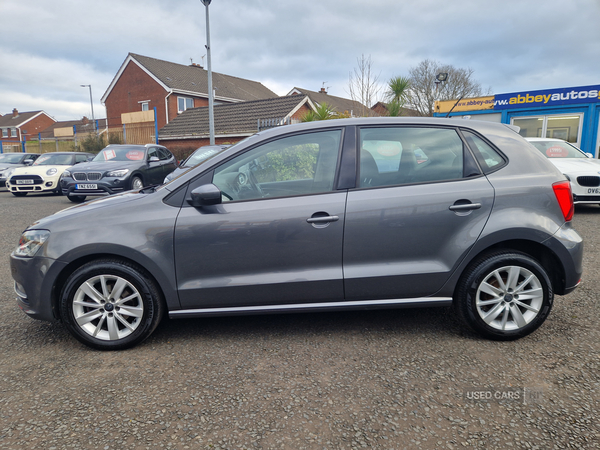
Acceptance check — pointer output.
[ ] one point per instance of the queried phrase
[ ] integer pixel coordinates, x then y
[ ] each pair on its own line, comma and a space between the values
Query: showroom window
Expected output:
184, 103
566, 127
403, 155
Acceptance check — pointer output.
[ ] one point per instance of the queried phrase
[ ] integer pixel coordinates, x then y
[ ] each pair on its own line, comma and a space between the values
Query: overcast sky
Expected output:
49, 48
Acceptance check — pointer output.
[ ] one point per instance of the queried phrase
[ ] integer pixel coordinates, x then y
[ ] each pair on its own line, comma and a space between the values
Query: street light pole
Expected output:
91, 104
211, 117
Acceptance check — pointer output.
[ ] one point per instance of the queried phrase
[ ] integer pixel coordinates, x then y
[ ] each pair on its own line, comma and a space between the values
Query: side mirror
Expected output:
153, 159
28, 162
589, 155
205, 195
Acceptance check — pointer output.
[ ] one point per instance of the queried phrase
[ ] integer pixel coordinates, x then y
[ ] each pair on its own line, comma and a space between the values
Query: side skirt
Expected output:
314, 307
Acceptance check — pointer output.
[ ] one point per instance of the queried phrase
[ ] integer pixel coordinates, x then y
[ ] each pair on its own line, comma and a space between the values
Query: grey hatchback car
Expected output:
347, 214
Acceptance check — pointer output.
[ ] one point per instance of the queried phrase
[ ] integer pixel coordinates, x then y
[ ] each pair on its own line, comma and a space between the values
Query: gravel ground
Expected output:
386, 379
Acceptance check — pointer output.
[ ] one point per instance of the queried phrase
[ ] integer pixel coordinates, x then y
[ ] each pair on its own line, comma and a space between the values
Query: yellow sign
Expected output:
63, 132
137, 117
466, 104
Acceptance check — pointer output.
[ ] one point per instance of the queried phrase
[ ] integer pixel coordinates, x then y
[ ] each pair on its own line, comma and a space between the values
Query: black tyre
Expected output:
19, 194
136, 183
76, 198
110, 304
504, 295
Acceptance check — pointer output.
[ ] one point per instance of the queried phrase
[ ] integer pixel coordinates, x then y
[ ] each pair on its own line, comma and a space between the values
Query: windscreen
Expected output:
121, 154
53, 159
558, 149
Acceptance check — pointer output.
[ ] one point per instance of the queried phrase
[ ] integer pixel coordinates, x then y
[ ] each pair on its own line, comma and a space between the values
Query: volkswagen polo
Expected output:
347, 214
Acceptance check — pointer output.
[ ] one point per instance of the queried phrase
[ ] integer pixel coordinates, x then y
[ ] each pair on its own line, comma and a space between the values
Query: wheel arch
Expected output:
72, 266
538, 251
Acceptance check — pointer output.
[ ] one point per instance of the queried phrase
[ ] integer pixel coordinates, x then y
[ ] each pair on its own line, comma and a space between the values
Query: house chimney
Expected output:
15, 112
85, 120
322, 91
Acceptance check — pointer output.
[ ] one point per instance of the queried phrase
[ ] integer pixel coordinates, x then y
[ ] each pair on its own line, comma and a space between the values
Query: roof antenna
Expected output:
191, 61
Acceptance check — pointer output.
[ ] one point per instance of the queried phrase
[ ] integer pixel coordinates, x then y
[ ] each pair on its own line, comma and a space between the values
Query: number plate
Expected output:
24, 181
594, 191
86, 186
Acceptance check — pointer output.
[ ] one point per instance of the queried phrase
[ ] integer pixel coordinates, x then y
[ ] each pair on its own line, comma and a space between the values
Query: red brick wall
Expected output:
35, 126
135, 85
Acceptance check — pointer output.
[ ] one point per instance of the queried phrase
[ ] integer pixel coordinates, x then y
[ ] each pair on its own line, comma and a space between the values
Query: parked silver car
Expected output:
322, 216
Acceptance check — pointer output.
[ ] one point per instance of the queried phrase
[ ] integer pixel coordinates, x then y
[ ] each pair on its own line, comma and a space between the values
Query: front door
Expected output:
277, 236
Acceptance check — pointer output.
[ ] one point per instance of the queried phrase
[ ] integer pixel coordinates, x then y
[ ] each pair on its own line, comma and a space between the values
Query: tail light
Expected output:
563, 193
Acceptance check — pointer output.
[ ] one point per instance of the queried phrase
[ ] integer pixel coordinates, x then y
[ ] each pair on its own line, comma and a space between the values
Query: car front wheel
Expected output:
136, 183
76, 198
110, 304
504, 295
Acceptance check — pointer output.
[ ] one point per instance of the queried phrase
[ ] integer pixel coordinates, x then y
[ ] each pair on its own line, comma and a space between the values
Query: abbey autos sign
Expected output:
550, 97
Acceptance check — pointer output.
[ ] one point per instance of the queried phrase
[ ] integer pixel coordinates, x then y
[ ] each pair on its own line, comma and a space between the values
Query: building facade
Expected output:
571, 114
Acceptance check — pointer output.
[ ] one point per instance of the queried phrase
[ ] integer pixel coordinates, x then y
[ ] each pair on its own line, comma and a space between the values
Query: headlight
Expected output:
118, 173
30, 242
52, 171
8, 173
66, 173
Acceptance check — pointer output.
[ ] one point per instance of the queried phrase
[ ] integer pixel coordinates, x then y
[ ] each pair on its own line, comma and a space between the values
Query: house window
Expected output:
144, 106
184, 103
4, 132
13, 132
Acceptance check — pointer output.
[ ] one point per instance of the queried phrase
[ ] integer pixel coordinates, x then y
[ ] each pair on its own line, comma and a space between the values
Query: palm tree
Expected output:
323, 112
397, 94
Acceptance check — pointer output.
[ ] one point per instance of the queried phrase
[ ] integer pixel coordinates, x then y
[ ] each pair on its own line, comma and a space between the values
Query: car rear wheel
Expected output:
76, 198
504, 295
19, 194
136, 183
110, 304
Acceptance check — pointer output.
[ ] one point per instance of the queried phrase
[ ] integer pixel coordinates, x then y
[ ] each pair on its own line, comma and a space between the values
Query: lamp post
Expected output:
91, 104
211, 118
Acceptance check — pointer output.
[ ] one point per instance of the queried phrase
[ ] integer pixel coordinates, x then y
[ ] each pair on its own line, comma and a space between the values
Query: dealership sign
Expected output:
550, 97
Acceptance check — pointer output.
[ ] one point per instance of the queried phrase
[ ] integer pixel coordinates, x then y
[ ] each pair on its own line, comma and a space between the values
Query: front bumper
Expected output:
107, 186
38, 184
35, 279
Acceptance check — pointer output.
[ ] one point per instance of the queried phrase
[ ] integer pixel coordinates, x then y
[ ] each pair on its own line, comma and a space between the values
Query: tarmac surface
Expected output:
409, 378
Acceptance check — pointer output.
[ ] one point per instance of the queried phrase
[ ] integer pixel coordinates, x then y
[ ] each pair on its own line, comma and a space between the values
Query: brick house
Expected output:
23, 126
339, 104
80, 129
143, 83
233, 122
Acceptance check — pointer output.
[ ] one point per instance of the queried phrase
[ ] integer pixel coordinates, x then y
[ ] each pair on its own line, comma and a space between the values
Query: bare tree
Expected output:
363, 85
424, 91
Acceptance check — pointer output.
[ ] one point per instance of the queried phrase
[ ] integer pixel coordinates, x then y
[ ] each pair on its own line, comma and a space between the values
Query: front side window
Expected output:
402, 155
184, 103
295, 165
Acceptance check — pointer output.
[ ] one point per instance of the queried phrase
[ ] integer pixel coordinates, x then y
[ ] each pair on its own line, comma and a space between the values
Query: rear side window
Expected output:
403, 155
488, 158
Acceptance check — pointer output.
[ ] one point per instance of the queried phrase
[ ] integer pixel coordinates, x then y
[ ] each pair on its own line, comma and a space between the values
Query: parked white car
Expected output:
44, 174
582, 169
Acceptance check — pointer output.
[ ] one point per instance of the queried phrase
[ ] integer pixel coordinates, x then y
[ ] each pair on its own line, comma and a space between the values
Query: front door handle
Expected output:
323, 219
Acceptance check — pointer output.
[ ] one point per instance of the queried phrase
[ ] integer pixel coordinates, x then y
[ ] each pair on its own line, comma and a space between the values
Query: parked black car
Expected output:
118, 168
199, 156
14, 159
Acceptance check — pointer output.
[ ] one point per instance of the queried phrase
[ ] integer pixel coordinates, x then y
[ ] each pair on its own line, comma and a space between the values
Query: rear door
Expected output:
420, 204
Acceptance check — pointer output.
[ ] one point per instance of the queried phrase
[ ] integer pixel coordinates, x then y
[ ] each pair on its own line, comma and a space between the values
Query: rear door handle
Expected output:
465, 207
